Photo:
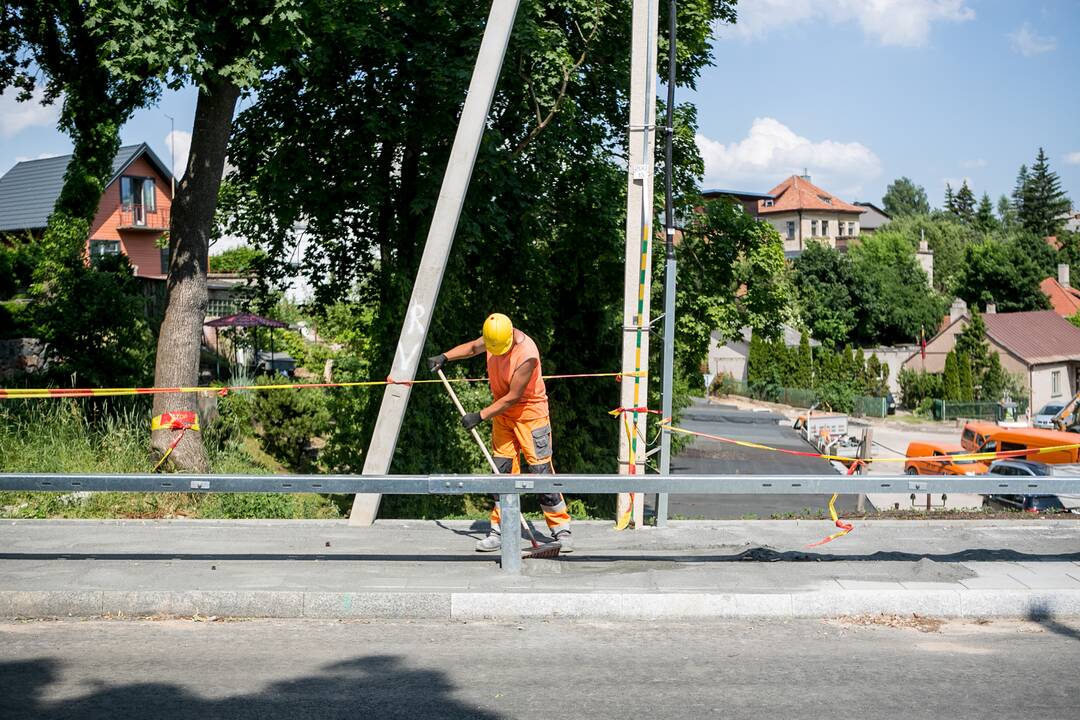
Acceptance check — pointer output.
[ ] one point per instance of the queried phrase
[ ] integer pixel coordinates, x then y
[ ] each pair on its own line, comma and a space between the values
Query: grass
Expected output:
76, 436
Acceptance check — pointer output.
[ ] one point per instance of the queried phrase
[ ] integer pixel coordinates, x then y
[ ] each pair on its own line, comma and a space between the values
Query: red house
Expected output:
132, 217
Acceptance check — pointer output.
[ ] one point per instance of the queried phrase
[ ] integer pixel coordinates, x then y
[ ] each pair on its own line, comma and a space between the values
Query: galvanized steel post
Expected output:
510, 522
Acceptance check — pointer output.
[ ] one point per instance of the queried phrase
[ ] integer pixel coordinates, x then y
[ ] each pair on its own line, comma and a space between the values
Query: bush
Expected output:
289, 419
238, 260
918, 385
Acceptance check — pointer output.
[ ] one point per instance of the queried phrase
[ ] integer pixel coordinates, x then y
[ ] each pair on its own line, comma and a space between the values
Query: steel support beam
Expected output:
429, 275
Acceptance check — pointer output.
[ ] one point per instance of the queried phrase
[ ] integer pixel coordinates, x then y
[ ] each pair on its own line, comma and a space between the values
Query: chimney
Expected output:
924, 247
958, 310
1063, 274
805, 174
991, 308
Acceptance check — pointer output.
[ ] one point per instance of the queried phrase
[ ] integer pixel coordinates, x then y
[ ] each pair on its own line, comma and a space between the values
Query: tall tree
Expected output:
1022, 177
964, 203
904, 197
951, 381
352, 138
1044, 200
53, 42
950, 200
984, 215
1006, 213
945, 235
971, 342
891, 293
967, 384
222, 49
805, 376
823, 283
1001, 271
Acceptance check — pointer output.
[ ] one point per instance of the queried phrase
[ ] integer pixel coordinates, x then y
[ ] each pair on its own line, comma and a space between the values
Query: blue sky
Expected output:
857, 92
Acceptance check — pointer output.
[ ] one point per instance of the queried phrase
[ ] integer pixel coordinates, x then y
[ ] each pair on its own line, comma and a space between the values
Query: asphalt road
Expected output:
711, 456
179, 669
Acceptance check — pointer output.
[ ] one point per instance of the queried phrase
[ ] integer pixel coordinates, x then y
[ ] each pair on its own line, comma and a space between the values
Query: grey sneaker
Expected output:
491, 543
565, 539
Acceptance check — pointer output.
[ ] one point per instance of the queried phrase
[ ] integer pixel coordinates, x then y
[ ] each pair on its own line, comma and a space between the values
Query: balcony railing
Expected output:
137, 217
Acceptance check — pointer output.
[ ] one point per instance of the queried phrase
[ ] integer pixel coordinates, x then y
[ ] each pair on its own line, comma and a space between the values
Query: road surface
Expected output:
293, 670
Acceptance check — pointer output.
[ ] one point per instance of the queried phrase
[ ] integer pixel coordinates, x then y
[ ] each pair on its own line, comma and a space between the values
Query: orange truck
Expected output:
975, 434
923, 460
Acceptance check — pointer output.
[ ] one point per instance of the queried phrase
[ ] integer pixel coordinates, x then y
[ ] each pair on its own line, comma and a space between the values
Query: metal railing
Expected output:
137, 217
511, 487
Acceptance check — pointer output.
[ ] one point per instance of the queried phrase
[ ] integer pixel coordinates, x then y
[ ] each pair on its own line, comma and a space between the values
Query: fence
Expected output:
997, 412
796, 397
868, 406
510, 487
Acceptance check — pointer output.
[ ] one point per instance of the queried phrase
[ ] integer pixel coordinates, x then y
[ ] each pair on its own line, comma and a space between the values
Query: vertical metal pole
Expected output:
638, 277
865, 453
669, 271
436, 251
510, 522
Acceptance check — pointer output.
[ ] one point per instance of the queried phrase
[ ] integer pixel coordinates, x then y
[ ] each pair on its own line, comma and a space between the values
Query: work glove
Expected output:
436, 362
471, 420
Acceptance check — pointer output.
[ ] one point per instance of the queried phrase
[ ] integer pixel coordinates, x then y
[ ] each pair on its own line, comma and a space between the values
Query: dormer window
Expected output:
769, 203
826, 199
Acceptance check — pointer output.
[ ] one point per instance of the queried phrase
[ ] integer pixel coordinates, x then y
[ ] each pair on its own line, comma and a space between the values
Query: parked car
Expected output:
890, 404
924, 460
1035, 503
976, 433
1045, 417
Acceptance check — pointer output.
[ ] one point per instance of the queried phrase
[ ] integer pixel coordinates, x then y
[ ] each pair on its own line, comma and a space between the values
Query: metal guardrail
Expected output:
511, 487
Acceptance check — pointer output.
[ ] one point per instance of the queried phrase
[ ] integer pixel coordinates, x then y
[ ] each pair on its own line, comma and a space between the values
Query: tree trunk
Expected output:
180, 338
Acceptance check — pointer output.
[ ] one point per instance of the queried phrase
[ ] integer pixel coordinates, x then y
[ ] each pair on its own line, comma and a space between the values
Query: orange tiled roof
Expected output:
1065, 300
798, 193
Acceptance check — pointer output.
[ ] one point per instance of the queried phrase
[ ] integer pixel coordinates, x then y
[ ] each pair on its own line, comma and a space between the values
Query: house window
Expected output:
813, 228
791, 229
768, 203
1055, 383
101, 248
165, 260
825, 228
137, 196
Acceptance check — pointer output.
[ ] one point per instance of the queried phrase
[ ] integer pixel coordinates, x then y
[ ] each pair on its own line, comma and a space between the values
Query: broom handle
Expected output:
483, 446
460, 409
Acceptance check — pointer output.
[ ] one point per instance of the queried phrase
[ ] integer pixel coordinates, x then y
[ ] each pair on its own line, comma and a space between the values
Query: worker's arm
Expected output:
463, 351
518, 382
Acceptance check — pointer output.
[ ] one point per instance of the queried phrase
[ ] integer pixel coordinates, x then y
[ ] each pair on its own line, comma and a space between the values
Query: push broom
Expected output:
545, 550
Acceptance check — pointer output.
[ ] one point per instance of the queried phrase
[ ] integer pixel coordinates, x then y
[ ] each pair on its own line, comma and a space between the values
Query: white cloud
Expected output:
180, 144
16, 116
1072, 158
1027, 42
771, 151
889, 22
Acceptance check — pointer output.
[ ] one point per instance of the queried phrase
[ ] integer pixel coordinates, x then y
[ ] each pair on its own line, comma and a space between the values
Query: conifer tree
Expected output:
964, 203
806, 362
984, 215
967, 389
951, 380
1044, 201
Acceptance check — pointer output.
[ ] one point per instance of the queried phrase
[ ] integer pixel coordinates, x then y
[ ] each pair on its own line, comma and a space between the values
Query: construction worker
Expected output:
520, 423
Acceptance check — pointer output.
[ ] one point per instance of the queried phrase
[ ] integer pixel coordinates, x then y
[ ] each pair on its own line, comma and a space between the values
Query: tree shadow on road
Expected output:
1044, 617
375, 686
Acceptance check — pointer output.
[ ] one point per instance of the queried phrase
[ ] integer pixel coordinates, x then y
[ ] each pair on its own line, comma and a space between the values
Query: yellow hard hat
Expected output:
498, 334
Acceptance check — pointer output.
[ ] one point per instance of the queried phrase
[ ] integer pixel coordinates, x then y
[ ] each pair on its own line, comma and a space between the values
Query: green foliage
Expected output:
241, 260
950, 384
288, 420
722, 250
963, 205
92, 317
903, 197
1007, 272
541, 235
967, 385
984, 215
995, 381
1075, 319
971, 342
823, 281
19, 255
804, 371
917, 386
945, 235
1042, 199
894, 299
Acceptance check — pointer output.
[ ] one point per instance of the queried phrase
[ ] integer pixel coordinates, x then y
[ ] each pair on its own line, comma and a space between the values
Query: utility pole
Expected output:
669, 271
440, 237
638, 277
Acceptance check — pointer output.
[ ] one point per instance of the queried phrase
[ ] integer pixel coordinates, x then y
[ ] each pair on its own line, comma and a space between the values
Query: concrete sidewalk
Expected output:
419, 569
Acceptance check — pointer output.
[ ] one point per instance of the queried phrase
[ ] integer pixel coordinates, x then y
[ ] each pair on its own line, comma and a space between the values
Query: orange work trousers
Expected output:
510, 439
